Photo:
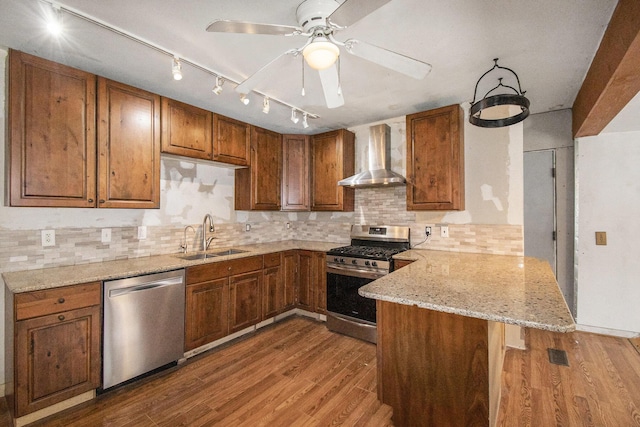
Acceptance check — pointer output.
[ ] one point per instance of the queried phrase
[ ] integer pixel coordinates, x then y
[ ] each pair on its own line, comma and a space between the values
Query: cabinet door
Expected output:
231, 140
435, 159
332, 159
290, 279
305, 280
320, 282
258, 187
128, 136
57, 357
295, 173
206, 313
272, 292
399, 263
52, 133
244, 300
186, 130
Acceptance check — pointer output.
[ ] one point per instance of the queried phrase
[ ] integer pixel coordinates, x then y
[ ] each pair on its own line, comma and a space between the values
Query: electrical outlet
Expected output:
427, 231
48, 238
444, 231
106, 235
247, 227
288, 225
142, 232
601, 238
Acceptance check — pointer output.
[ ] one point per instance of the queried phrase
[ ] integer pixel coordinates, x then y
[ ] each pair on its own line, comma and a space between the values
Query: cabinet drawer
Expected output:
245, 265
272, 260
217, 270
50, 301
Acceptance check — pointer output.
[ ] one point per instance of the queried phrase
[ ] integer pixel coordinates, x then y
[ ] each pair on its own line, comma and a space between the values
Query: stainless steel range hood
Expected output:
379, 173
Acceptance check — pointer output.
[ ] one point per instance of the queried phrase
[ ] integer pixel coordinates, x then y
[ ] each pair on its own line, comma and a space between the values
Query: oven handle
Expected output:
354, 272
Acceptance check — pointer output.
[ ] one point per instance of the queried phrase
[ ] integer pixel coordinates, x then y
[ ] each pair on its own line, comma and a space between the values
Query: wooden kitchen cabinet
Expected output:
206, 312
245, 296
332, 159
272, 286
231, 140
399, 263
128, 135
186, 130
55, 351
435, 159
305, 292
52, 143
319, 282
258, 187
295, 173
289, 279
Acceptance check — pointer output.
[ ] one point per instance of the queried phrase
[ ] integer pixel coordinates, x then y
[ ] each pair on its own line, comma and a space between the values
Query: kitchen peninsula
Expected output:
441, 331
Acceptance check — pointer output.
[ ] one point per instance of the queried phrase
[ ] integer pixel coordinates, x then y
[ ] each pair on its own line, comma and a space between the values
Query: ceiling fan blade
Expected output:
226, 26
391, 60
330, 84
351, 11
259, 76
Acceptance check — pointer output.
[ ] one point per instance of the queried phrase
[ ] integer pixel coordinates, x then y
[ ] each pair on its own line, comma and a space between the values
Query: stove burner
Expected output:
369, 252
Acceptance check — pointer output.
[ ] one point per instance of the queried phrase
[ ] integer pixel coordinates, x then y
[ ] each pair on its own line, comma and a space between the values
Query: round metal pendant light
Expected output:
516, 99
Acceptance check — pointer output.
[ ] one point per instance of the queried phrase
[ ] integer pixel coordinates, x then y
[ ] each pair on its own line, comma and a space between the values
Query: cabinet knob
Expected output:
101, 201
61, 317
229, 268
60, 300
90, 200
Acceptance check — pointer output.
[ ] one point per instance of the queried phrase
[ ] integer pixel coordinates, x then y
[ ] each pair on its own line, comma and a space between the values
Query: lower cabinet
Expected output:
289, 279
319, 284
312, 281
206, 312
56, 346
272, 286
245, 300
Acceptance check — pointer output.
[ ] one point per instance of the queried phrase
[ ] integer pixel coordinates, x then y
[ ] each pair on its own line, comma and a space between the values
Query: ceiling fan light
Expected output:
176, 69
321, 54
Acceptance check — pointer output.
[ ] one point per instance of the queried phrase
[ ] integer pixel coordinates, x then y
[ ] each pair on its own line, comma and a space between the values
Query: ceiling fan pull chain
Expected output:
303, 92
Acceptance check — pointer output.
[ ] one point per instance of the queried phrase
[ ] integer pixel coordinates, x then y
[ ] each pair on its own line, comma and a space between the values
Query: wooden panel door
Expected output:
272, 292
435, 159
332, 159
206, 313
295, 173
290, 279
320, 282
186, 130
57, 357
52, 143
245, 294
129, 146
258, 187
305, 280
231, 140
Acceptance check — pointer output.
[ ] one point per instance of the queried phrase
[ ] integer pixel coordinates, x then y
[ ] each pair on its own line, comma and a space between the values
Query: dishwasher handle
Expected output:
145, 286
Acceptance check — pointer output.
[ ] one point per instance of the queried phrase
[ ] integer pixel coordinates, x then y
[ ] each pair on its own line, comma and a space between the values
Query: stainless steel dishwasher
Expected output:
143, 326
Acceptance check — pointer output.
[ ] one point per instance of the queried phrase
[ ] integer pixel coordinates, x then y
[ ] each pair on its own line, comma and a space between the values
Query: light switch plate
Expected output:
106, 235
601, 238
142, 232
444, 231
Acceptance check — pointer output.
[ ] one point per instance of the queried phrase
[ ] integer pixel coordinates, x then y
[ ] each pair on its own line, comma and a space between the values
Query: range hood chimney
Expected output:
379, 173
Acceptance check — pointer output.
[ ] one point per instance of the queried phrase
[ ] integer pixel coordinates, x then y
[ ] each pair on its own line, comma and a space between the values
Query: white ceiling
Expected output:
549, 43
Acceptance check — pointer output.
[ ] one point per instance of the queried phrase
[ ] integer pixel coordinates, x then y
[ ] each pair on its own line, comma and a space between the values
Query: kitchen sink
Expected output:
194, 257
229, 252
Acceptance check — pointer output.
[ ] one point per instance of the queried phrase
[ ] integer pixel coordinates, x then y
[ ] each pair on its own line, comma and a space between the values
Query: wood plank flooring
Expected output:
297, 373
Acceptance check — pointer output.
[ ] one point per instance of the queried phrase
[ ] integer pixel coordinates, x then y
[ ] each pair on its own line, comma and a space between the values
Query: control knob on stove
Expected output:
374, 264
335, 259
342, 260
366, 263
353, 261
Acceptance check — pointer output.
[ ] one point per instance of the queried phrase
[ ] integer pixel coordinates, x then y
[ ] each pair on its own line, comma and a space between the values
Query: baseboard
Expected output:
53, 409
607, 331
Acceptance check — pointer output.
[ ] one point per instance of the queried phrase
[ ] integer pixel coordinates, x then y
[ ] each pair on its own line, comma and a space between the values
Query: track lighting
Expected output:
265, 105
218, 87
294, 116
305, 123
244, 99
54, 23
176, 69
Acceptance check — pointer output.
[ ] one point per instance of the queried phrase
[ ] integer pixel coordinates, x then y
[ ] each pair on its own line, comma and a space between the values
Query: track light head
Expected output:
244, 99
265, 105
294, 116
54, 23
218, 87
176, 69
305, 123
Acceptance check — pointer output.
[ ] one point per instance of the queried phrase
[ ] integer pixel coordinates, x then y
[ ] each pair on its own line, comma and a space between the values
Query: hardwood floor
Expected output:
297, 373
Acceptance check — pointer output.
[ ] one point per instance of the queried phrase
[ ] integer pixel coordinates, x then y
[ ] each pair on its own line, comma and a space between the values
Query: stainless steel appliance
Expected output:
369, 257
143, 326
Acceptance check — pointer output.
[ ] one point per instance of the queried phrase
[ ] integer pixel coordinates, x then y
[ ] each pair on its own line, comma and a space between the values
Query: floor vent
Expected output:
558, 357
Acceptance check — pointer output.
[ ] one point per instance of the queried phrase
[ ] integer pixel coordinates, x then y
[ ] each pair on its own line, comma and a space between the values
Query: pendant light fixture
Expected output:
501, 95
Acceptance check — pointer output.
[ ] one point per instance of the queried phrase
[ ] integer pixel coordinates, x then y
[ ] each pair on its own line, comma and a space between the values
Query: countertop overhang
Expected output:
509, 289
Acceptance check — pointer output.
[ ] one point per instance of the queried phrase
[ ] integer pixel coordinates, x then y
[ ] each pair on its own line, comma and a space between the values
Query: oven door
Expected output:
343, 297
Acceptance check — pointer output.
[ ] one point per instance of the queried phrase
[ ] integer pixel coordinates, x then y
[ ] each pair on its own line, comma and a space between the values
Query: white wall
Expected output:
607, 199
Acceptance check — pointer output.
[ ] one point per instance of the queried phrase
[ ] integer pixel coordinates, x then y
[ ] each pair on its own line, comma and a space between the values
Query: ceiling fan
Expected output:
319, 21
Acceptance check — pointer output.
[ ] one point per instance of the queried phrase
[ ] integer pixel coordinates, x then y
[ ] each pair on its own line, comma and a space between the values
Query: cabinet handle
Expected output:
101, 201
90, 200
229, 268
61, 317
60, 300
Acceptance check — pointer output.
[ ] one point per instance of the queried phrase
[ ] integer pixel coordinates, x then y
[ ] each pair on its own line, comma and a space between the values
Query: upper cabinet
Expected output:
258, 187
332, 159
435, 159
128, 135
52, 134
186, 130
295, 173
231, 140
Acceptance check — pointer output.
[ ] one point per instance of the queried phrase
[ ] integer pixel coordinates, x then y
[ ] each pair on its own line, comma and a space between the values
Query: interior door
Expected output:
540, 206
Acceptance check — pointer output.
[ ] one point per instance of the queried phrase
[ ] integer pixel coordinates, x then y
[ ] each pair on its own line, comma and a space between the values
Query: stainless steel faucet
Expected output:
185, 246
207, 241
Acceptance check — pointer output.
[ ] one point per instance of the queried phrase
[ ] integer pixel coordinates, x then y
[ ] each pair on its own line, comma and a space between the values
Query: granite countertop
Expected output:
510, 289
47, 278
